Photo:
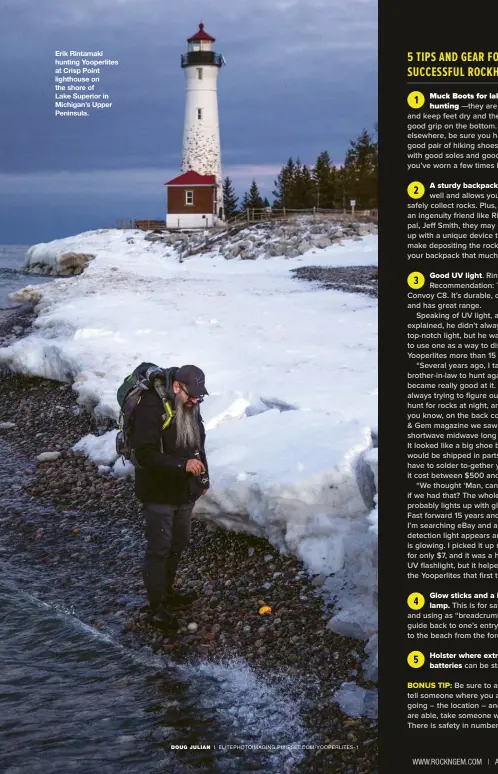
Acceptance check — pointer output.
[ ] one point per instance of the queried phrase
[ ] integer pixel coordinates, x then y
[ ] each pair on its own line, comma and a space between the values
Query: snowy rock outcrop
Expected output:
40, 260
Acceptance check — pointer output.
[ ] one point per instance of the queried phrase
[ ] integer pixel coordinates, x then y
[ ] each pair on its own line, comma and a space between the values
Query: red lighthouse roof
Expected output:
201, 35
192, 178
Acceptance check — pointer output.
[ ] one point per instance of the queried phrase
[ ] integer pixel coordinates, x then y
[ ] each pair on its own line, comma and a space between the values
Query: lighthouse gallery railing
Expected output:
201, 58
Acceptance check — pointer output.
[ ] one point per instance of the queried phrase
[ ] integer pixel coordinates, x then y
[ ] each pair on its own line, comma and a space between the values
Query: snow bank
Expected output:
355, 586
291, 371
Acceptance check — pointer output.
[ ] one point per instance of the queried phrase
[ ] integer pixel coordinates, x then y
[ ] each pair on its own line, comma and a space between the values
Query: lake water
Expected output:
12, 277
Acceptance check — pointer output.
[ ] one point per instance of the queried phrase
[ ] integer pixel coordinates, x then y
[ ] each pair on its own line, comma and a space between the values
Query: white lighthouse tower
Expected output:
201, 134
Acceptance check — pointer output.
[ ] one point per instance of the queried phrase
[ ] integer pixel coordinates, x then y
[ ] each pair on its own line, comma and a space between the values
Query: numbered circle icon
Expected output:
415, 99
416, 659
416, 190
416, 280
416, 601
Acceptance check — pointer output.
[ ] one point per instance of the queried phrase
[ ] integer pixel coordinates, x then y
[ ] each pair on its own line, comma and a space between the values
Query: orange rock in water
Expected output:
264, 610
75, 531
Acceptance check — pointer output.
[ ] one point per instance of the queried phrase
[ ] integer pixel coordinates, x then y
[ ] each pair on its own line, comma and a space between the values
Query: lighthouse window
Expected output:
199, 113
189, 197
199, 73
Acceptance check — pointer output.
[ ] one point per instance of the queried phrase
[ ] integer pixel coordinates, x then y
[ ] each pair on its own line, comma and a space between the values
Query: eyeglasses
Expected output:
198, 399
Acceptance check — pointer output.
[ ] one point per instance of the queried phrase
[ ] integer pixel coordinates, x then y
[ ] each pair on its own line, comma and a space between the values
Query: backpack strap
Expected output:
168, 417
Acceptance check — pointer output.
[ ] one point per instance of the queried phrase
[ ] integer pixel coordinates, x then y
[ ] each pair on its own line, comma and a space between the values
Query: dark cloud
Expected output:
301, 77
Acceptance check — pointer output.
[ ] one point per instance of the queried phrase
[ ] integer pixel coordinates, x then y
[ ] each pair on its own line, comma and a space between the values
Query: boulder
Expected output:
73, 260
304, 246
235, 250
321, 241
283, 247
245, 244
273, 249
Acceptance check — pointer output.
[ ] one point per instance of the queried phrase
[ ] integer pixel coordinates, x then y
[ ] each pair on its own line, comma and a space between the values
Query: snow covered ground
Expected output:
292, 375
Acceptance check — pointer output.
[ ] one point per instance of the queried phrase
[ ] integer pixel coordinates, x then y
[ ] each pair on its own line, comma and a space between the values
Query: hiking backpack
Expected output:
147, 376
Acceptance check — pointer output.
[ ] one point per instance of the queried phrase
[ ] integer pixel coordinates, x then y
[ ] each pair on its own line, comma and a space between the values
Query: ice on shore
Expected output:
356, 701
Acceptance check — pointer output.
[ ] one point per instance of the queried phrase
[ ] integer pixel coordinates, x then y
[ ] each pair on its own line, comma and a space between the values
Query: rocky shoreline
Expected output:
234, 574
351, 279
263, 240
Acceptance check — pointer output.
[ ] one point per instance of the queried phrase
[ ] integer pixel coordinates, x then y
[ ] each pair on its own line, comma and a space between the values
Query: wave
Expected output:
7, 272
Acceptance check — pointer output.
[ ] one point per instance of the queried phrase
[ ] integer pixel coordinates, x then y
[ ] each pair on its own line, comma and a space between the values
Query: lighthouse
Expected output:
195, 198
201, 132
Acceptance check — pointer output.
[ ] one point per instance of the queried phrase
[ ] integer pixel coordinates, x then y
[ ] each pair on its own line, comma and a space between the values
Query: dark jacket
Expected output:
161, 476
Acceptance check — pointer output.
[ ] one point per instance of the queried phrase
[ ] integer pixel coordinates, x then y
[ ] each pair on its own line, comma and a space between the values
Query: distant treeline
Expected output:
324, 185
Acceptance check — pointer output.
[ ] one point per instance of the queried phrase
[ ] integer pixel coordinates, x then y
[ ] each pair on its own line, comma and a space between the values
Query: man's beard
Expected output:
188, 434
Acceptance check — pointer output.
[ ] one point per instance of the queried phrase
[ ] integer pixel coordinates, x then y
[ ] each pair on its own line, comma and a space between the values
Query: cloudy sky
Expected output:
301, 77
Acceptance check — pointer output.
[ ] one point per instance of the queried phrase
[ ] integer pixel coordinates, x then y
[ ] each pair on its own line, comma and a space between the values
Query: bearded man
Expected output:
171, 474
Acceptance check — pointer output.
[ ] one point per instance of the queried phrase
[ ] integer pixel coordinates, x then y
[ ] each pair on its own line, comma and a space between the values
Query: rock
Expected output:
7, 425
277, 248
192, 627
321, 242
235, 250
48, 456
245, 244
355, 701
303, 247
250, 550
268, 557
74, 261
318, 581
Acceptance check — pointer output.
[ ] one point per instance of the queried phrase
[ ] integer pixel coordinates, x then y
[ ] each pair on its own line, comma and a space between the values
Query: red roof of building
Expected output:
201, 35
192, 178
